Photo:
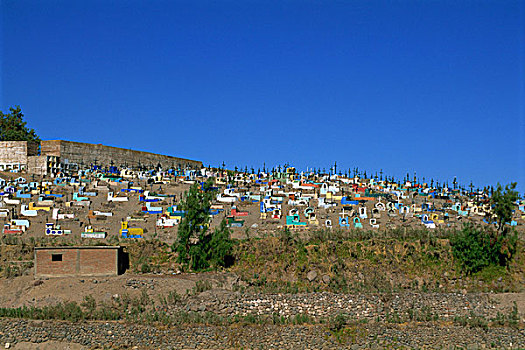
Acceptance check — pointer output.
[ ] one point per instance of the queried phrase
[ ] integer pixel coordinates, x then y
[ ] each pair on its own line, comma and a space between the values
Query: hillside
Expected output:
305, 285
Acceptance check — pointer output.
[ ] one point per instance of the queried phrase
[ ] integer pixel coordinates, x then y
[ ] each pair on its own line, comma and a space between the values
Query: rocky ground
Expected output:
407, 319
222, 295
103, 335
402, 306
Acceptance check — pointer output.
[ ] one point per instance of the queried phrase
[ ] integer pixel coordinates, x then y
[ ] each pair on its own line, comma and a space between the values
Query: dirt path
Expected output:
507, 300
27, 291
48, 345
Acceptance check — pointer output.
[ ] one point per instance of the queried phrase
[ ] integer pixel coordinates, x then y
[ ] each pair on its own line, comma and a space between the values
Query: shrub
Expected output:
302, 319
90, 304
475, 249
511, 319
220, 246
338, 322
173, 297
201, 286
145, 268
472, 320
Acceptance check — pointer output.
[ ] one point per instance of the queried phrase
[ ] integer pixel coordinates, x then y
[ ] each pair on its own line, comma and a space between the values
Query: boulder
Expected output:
312, 275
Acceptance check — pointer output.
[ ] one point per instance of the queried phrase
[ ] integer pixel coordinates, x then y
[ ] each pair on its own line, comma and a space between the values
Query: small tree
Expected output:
503, 201
219, 247
197, 248
13, 127
196, 206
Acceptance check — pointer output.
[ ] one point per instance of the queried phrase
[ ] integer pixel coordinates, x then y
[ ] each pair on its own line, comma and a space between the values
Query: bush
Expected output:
90, 304
511, 319
338, 322
145, 268
220, 246
472, 320
200, 286
475, 249
173, 297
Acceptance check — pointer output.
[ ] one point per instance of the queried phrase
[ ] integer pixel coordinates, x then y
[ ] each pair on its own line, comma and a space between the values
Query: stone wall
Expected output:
37, 165
76, 261
22, 154
17, 151
51, 148
85, 153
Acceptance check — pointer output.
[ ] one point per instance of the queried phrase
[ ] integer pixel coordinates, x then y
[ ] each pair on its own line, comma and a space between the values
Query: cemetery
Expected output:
253, 201
262, 175
294, 232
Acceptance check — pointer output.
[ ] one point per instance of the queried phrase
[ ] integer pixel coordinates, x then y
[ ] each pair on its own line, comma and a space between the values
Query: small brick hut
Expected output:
79, 261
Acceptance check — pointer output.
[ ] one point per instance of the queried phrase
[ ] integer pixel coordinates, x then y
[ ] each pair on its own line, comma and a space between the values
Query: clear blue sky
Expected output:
435, 87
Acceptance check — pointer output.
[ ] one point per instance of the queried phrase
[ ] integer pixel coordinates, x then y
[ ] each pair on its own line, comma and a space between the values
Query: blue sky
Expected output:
435, 87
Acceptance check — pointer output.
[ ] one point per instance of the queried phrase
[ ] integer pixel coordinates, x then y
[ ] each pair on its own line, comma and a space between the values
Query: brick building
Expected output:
80, 261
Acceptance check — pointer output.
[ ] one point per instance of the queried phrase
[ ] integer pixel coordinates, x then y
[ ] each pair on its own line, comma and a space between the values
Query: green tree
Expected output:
13, 127
219, 246
503, 200
194, 224
197, 248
